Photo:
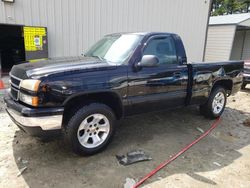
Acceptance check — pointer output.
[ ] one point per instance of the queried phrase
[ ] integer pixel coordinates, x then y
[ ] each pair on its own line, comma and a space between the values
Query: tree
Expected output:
223, 7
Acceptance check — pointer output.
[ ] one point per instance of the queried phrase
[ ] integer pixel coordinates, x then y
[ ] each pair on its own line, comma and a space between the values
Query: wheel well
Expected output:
226, 84
110, 99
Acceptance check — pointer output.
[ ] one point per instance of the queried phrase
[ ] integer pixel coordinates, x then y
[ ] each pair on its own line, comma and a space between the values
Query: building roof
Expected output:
232, 19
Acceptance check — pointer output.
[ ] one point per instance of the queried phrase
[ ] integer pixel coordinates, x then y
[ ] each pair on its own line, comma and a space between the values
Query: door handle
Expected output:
177, 74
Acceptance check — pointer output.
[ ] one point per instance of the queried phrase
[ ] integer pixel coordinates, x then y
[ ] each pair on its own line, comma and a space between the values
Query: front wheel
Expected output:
91, 129
216, 103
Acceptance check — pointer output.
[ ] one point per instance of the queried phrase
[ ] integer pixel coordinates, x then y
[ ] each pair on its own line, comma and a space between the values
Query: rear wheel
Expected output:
216, 103
91, 129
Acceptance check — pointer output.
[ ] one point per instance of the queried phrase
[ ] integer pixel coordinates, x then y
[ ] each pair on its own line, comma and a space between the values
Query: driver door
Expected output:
163, 86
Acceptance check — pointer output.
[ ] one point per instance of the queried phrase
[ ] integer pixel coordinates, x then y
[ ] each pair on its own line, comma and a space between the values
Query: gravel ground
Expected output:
220, 160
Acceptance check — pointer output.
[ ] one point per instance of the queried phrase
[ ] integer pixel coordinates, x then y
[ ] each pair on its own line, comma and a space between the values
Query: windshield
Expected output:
114, 48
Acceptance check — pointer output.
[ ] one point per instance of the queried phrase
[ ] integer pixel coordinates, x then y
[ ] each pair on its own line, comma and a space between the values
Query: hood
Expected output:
57, 65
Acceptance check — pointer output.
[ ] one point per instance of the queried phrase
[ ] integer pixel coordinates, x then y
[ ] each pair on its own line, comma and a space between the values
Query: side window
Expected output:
163, 48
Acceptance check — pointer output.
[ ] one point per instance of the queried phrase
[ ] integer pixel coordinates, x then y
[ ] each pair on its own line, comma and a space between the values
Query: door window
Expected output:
163, 48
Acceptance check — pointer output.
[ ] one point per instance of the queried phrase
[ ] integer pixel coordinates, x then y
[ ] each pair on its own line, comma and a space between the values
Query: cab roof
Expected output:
141, 33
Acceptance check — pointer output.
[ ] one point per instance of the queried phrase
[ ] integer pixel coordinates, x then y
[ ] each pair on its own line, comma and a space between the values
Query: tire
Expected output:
215, 104
243, 86
90, 129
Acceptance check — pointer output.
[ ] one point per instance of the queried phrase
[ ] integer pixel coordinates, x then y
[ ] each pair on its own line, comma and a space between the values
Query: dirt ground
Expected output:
220, 160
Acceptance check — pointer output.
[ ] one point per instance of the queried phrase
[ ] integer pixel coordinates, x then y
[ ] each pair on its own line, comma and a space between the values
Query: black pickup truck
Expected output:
121, 75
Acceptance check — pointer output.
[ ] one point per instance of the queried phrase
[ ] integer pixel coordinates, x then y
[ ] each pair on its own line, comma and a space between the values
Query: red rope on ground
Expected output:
165, 163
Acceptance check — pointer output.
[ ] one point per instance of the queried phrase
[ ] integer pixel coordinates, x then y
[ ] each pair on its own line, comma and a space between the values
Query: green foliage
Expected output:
223, 7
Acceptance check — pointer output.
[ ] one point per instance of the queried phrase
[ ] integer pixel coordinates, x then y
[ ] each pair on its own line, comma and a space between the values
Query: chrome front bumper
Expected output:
35, 121
52, 122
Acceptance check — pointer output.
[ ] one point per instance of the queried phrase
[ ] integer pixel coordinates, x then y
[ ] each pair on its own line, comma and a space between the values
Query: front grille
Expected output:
14, 82
14, 93
14, 86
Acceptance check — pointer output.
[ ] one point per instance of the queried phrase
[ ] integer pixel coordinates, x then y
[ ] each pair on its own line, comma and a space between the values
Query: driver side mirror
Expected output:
148, 61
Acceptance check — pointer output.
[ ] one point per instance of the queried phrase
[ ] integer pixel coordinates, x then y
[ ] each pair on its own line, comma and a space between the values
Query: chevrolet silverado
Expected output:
121, 75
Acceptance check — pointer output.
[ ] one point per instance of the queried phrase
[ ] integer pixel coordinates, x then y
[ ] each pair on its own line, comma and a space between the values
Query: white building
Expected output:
228, 38
73, 25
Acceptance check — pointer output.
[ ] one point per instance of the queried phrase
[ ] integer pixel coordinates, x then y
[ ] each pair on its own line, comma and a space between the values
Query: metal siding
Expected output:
237, 45
219, 42
2, 12
25, 7
74, 25
246, 48
241, 47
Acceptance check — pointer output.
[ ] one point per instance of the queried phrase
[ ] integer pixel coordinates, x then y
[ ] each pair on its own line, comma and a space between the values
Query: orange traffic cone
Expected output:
2, 84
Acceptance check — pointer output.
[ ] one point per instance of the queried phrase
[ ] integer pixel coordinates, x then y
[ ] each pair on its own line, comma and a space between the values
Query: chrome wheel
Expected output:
93, 130
218, 103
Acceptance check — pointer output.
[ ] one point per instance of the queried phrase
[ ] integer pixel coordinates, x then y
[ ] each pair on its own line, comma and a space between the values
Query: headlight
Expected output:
28, 99
30, 84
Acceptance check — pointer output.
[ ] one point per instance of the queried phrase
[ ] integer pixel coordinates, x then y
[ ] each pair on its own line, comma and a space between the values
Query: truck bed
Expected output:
202, 76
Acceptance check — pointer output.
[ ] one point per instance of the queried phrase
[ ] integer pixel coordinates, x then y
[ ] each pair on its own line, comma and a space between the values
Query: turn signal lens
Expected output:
35, 101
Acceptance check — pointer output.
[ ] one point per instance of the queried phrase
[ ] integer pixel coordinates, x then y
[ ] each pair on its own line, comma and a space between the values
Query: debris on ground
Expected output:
217, 164
230, 134
129, 183
159, 178
220, 155
133, 157
200, 129
21, 171
25, 161
247, 122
